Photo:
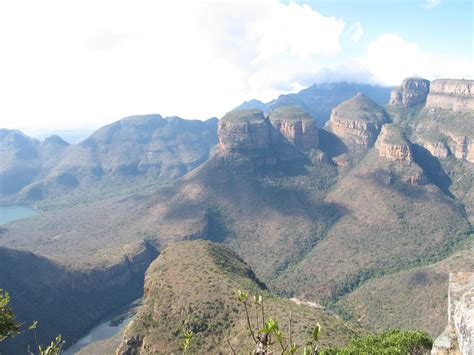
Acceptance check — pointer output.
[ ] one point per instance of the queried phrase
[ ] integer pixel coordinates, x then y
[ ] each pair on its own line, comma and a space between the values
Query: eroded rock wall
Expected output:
412, 92
451, 94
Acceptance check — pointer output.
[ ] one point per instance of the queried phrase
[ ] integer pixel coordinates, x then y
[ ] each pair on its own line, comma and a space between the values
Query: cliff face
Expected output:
446, 133
357, 122
458, 337
392, 144
52, 294
296, 126
450, 94
244, 130
412, 92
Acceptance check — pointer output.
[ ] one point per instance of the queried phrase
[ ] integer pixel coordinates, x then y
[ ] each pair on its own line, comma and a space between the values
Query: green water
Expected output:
12, 213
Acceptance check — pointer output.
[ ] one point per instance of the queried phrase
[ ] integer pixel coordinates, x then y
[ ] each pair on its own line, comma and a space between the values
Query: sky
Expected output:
81, 64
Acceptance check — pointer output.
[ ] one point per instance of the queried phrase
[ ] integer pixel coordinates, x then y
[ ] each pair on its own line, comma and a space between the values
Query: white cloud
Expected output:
391, 59
357, 32
429, 4
70, 64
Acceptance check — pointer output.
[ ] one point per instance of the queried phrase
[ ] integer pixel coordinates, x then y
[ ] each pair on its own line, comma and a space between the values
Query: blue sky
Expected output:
445, 26
82, 64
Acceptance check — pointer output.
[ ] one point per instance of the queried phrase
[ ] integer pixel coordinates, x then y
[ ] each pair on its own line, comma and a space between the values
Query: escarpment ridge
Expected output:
266, 185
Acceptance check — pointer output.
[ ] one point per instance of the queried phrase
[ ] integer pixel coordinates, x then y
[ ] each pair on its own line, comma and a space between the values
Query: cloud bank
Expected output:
87, 63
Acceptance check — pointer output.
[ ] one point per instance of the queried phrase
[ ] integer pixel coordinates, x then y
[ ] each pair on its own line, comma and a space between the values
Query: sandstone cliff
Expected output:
296, 126
446, 133
412, 92
458, 337
244, 130
357, 122
450, 94
392, 144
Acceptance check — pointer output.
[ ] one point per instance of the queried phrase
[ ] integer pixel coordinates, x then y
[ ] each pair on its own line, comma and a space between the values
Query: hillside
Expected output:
410, 298
134, 152
194, 283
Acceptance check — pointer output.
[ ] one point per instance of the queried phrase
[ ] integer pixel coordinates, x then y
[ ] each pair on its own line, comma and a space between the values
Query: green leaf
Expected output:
33, 325
316, 332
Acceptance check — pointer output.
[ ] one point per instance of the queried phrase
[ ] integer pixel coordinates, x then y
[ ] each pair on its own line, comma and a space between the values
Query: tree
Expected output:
9, 327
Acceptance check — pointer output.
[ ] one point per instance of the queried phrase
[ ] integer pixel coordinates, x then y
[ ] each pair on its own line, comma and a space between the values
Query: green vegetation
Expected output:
394, 135
251, 115
193, 283
267, 330
291, 113
361, 108
269, 338
388, 342
10, 328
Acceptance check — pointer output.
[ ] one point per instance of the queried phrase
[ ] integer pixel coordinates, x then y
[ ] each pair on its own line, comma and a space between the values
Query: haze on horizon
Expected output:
70, 65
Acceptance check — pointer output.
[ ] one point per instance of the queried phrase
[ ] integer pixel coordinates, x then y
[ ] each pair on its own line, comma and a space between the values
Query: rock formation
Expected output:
458, 337
446, 133
244, 130
392, 144
296, 126
357, 122
412, 92
450, 94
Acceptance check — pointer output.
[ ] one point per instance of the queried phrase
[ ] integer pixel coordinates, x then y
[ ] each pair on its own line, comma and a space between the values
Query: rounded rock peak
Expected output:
244, 116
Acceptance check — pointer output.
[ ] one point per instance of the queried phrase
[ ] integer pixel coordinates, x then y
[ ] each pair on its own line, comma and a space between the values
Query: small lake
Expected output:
105, 330
12, 213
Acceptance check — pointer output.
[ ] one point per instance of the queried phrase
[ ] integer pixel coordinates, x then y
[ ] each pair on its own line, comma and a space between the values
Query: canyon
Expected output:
392, 203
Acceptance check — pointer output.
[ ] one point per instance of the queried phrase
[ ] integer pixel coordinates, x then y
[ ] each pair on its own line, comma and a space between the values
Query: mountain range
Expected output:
341, 195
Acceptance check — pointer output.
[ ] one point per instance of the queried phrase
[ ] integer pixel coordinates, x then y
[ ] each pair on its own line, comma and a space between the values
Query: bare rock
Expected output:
357, 122
461, 146
458, 337
451, 94
412, 92
296, 126
392, 144
244, 130
437, 149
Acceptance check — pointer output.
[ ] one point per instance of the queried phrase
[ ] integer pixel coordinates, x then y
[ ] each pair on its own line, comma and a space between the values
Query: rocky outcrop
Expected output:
461, 146
392, 144
447, 143
412, 92
357, 122
244, 130
296, 126
458, 337
450, 94
438, 149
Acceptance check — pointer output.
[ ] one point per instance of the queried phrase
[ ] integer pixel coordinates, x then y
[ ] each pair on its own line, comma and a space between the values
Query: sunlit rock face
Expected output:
412, 92
357, 122
244, 130
451, 94
296, 126
392, 144
458, 337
